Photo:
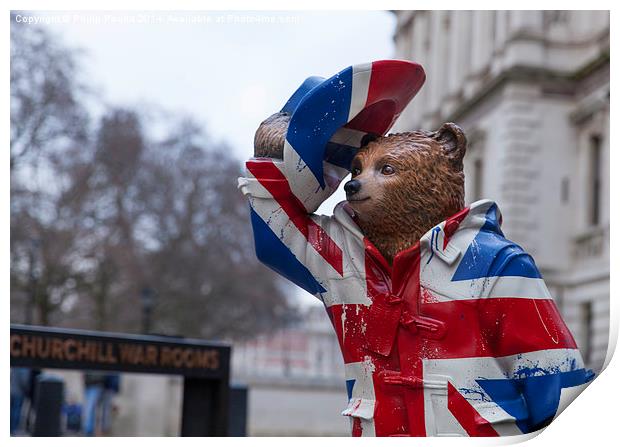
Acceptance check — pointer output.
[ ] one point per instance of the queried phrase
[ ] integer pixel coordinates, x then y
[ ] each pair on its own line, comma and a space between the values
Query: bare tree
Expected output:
46, 120
45, 93
99, 216
202, 259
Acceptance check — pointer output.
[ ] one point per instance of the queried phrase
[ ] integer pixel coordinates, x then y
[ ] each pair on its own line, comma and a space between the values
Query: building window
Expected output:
565, 189
552, 17
586, 331
446, 22
595, 180
478, 173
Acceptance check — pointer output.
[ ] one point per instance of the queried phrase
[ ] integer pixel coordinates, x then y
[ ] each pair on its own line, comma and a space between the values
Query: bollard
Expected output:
48, 406
238, 416
205, 407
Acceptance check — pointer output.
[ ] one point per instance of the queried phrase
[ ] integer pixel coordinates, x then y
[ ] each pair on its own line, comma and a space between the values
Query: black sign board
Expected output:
205, 365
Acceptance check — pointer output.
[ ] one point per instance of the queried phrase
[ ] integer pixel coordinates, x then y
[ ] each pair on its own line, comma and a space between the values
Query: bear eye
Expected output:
387, 170
356, 171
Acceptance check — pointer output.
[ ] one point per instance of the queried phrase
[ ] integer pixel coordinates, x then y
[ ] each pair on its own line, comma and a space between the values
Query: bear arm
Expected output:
288, 239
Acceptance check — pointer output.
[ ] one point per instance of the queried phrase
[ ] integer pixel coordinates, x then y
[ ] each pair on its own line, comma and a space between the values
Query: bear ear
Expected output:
453, 141
368, 138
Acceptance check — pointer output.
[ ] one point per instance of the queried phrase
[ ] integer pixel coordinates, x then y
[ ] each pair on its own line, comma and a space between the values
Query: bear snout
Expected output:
352, 187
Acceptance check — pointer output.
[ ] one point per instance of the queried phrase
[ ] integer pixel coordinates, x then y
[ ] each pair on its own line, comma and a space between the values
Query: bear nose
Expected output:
352, 186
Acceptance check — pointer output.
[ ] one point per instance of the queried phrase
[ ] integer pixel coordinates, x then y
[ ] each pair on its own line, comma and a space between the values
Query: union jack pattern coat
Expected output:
459, 336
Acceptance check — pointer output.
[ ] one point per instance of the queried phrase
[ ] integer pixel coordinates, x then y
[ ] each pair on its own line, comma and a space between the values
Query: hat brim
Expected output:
332, 117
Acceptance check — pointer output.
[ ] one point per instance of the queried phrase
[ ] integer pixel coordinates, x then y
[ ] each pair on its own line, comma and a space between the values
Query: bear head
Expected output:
405, 183
402, 184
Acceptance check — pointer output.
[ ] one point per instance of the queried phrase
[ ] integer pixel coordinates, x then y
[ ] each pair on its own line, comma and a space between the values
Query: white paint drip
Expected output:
368, 364
343, 319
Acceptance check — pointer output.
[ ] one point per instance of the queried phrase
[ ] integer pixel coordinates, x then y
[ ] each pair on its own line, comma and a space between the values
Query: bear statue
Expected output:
446, 327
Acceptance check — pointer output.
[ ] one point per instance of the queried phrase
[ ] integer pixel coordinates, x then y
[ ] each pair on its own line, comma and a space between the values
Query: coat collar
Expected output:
438, 241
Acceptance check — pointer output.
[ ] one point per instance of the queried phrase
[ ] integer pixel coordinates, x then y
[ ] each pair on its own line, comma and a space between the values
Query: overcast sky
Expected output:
228, 74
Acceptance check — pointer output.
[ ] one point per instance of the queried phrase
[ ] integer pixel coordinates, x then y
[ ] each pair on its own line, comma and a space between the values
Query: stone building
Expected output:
295, 378
531, 90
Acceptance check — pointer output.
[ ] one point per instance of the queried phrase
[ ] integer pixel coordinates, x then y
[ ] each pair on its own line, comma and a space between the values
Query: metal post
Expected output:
32, 281
238, 413
48, 406
205, 407
148, 301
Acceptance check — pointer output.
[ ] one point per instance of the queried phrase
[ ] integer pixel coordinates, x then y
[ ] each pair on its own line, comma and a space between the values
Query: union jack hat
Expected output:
331, 117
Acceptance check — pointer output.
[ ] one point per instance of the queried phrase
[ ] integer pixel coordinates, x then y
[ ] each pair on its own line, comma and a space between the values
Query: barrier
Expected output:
204, 365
